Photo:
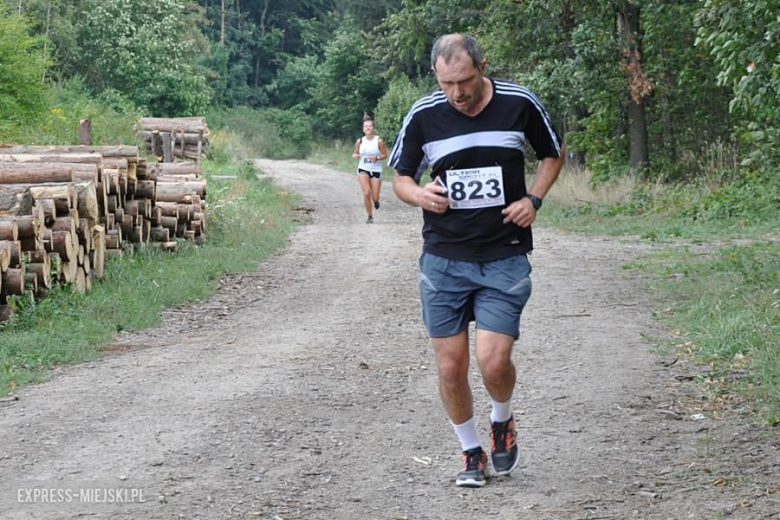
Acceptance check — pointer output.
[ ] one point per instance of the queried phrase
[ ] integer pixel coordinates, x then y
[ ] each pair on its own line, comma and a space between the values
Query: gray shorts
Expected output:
454, 293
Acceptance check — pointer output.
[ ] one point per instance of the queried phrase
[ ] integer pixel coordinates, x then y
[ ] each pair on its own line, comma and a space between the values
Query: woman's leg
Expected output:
365, 186
376, 185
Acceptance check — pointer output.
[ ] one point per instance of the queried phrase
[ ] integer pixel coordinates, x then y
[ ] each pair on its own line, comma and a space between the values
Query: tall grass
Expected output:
704, 211
112, 117
725, 303
724, 299
248, 219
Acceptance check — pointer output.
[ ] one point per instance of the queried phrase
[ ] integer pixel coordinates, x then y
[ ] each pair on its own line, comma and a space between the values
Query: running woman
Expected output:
370, 150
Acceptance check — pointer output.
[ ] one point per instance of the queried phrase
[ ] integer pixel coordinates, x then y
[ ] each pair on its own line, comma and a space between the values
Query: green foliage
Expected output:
146, 51
271, 133
393, 106
742, 37
112, 115
299, 76
350, 84
23, 63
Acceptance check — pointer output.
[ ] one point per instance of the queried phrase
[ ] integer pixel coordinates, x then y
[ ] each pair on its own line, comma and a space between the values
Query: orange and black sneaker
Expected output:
474, 464
505, 454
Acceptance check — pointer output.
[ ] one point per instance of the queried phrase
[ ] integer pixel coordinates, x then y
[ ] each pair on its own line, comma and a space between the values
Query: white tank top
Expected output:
369, 147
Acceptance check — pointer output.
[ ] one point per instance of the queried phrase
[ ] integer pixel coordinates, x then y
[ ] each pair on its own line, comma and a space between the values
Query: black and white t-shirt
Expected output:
482, 158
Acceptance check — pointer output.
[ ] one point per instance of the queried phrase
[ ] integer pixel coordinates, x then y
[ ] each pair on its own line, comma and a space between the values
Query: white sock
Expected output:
467, 434
501, 412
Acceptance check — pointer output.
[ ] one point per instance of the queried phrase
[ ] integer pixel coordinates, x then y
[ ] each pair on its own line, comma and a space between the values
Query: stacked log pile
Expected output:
65, 209
167, 138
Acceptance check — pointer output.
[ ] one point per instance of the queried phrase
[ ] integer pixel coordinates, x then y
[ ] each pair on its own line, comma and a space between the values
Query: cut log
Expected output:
167, 147
14, 248
118, 163
9, 230
89, 158
28, 226
65, 196
182, 177
113, 239
49, 209
13, 281
174, 192
188, 124
64, 224
81, 171
42, 271
5, 255
14, 201
62, 243
186, 137
145, 189
106, 150
169, 223
168, 209
84, 232
15, 173
68, 273
160, 234
99, 251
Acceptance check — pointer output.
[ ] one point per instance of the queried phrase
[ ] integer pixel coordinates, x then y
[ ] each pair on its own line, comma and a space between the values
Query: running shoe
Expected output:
505, 454
474, 464
370, 220
376, 205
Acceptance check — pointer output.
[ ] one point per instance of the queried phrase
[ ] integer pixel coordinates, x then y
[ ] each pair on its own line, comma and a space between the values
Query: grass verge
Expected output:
717, 282
248, 220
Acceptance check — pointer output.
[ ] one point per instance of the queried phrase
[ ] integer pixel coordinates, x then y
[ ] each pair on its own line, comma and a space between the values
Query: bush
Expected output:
22, 65
271, 133
112, 115
393, 106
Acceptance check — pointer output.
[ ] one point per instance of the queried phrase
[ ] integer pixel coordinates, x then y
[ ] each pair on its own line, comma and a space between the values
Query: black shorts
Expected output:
371, 175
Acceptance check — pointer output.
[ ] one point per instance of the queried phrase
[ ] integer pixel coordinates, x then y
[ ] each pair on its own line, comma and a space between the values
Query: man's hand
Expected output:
520, 212
433, 198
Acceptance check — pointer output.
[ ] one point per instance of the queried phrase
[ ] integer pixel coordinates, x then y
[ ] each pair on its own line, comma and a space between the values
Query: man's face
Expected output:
461, 81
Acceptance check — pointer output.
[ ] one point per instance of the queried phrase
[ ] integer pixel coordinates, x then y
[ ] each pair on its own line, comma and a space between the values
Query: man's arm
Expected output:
431, 197
522, 212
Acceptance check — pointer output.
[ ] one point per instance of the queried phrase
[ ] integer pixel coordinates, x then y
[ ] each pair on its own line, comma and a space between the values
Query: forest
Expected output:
670, 91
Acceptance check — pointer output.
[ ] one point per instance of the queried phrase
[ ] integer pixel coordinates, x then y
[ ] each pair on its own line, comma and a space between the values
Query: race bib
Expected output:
475, 188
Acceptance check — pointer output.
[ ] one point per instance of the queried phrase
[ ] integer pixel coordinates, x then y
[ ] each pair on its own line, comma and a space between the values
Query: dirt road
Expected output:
306, 390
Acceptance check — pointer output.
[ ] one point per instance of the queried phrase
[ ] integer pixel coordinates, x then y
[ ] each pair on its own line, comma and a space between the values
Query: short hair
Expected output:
449, 44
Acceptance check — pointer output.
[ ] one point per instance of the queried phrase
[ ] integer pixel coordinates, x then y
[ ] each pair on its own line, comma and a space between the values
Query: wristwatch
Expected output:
536, 201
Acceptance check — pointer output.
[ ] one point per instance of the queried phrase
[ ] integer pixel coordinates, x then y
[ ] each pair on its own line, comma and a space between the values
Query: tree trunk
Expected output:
222, 27
85, 132
628, 23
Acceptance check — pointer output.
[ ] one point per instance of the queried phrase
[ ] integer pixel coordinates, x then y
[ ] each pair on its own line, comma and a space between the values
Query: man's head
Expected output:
459, 68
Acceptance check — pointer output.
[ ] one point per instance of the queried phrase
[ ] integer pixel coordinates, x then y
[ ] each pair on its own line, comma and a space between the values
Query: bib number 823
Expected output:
475, 190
